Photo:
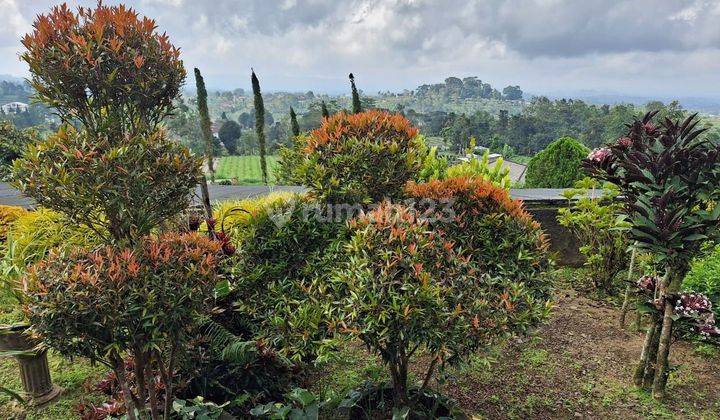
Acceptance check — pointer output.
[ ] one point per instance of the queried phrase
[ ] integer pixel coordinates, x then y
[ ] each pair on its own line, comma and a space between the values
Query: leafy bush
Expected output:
120, 188
360, 158
105, 67
29, 239
411, 287
481, 169
8, 214
704, 277
558, 165
595, 220
106, 303
433, 167
280, 291
12, 146
499, 236
237, 216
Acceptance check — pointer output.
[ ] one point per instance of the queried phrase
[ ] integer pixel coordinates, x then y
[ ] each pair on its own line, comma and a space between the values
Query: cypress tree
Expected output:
205, 121
294, 126
357, 108
259, 123
324, 110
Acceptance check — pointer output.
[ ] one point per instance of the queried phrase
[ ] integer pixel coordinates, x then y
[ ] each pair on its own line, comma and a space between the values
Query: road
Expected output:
11, 197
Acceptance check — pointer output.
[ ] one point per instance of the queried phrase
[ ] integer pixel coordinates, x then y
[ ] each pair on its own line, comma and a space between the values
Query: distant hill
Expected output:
708, 105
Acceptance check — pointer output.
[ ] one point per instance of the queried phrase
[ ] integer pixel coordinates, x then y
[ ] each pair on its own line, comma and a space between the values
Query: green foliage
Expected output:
360, 158
29, 239
496, 232
229, 134
8, 214
120, 188
704, 277
205, 124
286, 251
12, 146
558, 166
410, 287
301, 405
481, 169
137, 301
356, 105
595, 219
197, 408
433, 167
259, 124
294, 127
105, 67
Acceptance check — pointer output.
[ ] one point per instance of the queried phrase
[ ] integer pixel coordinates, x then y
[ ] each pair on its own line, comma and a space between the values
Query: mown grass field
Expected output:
244, 169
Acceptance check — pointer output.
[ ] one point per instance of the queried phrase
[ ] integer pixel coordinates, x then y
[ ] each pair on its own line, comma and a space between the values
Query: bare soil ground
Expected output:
579, 365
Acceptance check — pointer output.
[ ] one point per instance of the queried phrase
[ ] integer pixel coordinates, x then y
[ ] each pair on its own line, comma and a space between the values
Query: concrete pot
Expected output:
33, 362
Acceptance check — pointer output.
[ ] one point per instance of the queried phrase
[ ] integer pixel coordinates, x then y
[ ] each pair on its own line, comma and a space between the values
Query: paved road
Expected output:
11, 197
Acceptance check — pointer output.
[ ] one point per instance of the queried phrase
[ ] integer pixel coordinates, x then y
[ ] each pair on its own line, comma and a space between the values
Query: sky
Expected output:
636, 47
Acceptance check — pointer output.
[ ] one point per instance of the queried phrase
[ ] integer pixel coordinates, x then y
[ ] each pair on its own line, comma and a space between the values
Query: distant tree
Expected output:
205, 121
357, 107
324, 110
229, 134
223, 116
247, 119
512, 93
558, 166
259, 123
294, 127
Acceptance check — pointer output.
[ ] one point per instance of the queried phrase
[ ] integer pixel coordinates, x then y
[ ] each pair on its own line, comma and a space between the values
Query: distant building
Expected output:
215, 128
14, 107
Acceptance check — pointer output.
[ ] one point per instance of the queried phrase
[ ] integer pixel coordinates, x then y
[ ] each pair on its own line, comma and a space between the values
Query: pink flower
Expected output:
599, 155
624, 142
647, 283
649, 127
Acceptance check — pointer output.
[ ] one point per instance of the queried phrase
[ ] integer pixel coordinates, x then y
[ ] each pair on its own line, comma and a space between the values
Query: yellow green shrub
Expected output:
236, 215
34, 233
8, 214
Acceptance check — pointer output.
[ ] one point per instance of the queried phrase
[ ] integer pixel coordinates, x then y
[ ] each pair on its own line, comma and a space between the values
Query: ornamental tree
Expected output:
138, 301
410, 288
105, 67
109, 70
668, 176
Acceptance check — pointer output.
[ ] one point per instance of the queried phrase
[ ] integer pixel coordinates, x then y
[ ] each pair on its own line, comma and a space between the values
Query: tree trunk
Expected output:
626, 301
398, 372
119, 368
650, 367
662, 371
650, 335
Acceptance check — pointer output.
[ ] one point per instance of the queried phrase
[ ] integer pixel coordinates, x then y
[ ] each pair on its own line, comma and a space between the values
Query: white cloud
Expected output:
667, 45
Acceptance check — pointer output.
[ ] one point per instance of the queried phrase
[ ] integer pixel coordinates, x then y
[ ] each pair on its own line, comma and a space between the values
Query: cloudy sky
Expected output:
637, 47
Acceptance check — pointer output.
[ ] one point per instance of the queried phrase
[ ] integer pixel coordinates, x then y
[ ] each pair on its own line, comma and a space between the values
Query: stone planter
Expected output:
33, 362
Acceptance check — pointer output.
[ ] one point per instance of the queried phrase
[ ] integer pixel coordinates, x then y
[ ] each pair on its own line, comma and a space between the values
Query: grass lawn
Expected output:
245, 169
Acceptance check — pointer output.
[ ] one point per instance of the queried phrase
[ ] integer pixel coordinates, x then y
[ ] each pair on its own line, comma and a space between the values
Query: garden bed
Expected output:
561, 373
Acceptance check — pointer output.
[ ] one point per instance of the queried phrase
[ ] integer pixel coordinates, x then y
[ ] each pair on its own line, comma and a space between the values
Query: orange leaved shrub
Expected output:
360, 158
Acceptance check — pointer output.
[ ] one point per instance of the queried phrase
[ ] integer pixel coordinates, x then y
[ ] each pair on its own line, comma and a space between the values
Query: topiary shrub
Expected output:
107, 303
496, 232
285, 252
360, 158
105, 67
411, 287
558, 165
